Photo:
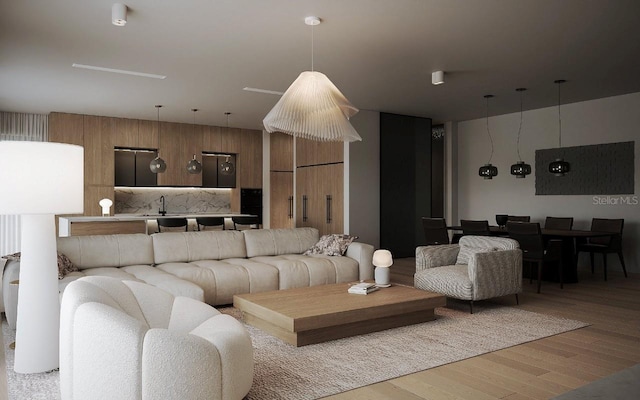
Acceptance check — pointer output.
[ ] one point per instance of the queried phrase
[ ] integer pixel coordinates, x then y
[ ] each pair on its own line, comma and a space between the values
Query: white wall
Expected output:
364, 179
608, 120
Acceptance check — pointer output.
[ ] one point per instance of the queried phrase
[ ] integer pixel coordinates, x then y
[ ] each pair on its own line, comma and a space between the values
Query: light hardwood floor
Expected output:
543, 368
537, 370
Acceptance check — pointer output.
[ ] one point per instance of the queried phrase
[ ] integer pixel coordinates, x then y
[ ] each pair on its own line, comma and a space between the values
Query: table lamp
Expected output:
106, 206
382, 260
40, 179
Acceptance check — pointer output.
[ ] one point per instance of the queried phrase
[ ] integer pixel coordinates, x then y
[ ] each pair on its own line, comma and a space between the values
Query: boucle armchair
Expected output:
130, 340
478, 268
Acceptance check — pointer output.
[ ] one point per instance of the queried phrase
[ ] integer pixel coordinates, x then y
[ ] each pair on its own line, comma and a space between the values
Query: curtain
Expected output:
18, 126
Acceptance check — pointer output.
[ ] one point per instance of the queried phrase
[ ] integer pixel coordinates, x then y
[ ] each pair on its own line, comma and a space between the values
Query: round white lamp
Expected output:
382, 260
106, 205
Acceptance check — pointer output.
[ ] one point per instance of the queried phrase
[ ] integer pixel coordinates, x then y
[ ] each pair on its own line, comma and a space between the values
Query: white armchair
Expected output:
130, 340
477, 268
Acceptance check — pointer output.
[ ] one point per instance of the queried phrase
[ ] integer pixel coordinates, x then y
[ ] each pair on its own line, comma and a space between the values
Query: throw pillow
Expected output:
466, 252
331, 245
65, 265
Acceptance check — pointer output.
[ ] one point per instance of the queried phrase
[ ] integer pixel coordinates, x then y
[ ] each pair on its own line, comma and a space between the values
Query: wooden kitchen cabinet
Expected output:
177, 145
281, 180
281, 200
310, 152
66, 128
320, 197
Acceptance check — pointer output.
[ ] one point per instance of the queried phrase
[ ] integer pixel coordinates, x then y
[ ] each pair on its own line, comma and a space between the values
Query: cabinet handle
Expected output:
329, 209
290, 199
304, 208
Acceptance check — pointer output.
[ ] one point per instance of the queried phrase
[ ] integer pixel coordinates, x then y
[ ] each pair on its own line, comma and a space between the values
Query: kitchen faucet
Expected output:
162, 211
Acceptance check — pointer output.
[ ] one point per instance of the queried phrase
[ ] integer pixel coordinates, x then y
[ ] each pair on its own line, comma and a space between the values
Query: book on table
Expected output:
362, 288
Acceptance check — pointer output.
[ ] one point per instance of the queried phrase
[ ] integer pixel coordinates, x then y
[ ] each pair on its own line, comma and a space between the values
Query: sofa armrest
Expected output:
496, 273
436, 256
363, 254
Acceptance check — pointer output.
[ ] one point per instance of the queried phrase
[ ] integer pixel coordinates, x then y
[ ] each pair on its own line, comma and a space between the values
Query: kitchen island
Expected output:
128, 223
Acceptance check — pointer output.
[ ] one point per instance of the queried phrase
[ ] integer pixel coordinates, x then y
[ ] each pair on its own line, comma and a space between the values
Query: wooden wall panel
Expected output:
212, 139
66, 128
93, 194
310, 152
124, 132
147, 134
249, 160
281, 151
98, 153
230, 140
281, 197
178, 143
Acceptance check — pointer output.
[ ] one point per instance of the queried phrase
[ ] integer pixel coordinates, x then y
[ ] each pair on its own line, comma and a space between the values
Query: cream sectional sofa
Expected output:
210, 266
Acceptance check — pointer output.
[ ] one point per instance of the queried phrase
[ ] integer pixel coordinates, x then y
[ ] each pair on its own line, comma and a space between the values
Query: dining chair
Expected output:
605, 244
518, 218
534, 249
210, 222
172, 223
435, 231
252, 221
559, 223
475, 227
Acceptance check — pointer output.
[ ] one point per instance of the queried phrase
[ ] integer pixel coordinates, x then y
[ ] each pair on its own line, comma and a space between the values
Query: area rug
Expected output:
286, 372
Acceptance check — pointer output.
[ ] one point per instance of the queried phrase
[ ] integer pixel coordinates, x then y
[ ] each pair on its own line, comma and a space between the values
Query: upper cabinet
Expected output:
177, 145
310, 152
281, 150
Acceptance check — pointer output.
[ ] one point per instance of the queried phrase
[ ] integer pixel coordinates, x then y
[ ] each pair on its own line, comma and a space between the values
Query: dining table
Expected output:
569, 238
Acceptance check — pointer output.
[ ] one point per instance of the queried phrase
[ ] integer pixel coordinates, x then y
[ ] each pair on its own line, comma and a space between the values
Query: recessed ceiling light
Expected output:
118, 71
250, 89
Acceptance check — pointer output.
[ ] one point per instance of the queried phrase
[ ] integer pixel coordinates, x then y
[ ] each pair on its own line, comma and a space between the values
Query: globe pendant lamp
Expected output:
227, 167
313, 107
520, 169
488, 171
157, 165
559, 167
194, 166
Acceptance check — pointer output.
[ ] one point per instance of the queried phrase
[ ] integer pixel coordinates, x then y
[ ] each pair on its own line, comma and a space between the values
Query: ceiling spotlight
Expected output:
119, 14
437, 77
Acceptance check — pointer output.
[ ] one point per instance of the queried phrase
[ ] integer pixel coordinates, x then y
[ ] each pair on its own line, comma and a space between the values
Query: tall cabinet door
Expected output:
320, 197
281, 178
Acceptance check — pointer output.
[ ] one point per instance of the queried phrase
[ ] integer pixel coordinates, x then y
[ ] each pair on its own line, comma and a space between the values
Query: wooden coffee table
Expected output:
318, 314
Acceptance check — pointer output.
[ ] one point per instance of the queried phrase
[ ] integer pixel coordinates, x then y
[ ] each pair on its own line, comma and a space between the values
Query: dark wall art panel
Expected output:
596, 169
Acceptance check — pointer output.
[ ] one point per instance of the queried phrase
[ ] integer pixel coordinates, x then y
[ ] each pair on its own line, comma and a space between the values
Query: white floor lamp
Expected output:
39, 180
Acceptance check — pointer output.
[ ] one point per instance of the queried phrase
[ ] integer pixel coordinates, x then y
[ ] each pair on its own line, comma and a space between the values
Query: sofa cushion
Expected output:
275, 242
451, 281
193, 246
107, 250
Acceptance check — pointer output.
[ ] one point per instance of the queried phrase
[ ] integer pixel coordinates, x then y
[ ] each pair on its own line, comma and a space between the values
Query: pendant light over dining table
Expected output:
559, 167
520, 169
157, 165
313, 107
488, 171
227, 167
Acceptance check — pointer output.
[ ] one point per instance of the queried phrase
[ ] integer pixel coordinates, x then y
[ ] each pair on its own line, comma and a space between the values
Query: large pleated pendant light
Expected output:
313, 107
520, 169
559, 167
157, 165
488, 171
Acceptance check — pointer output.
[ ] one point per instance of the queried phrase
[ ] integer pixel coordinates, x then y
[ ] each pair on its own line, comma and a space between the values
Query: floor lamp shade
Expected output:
313, 108
44, 179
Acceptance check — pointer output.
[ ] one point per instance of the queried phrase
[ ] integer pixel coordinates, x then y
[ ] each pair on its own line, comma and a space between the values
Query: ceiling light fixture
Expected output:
157, 165
118, 71
313, 107
251, 89
194, 166
119, 14
559, 167
437, 78
227, 167
488, 171
520, 169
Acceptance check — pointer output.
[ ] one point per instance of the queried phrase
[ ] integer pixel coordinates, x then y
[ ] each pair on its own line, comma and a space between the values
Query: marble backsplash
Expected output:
177, 200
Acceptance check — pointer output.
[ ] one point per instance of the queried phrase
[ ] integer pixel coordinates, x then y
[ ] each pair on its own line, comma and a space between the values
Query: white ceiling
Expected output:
379, 53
